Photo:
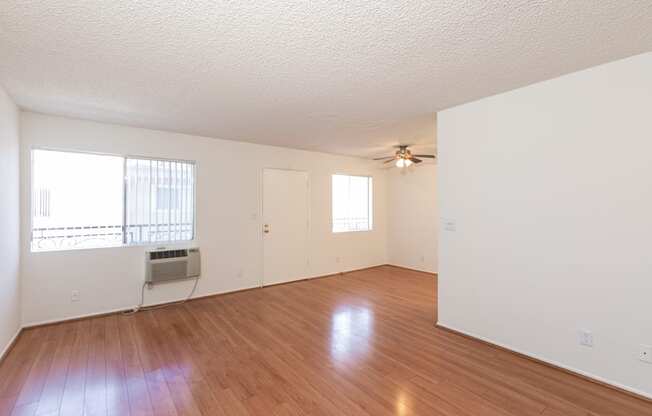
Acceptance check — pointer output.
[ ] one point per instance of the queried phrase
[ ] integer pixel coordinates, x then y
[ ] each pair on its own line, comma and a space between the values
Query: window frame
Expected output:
194, 202
124, 199
370, 196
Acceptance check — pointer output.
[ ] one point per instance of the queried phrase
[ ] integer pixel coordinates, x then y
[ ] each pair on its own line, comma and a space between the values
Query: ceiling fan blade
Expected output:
427, 156
388, 161
383, 158
415, 160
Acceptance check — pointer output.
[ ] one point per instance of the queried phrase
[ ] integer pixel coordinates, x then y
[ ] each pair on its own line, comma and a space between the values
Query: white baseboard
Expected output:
11, 342
552, 362
411, 268
126, 308
335, 273
73, 318
207, 295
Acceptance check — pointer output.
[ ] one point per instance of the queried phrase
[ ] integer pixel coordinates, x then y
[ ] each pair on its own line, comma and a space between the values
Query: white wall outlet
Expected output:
74, 296
586, 338
450, 224
338, 259
645, 353
423, 259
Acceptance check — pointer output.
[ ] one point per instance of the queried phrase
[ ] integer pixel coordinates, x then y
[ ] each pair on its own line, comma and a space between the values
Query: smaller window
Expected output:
352, 203
160, 201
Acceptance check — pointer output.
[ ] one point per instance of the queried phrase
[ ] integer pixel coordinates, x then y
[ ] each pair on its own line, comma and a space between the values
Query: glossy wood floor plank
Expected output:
362, 343
117, 396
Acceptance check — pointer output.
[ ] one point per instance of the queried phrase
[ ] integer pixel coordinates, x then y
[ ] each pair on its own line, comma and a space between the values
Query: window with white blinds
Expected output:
352, 203
84, 200
160, 201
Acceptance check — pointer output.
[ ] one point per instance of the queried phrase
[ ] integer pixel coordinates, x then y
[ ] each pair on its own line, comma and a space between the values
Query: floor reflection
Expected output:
351, 331
402, 407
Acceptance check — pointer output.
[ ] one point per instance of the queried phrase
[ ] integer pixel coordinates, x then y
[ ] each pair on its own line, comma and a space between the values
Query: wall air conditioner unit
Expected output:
169, 265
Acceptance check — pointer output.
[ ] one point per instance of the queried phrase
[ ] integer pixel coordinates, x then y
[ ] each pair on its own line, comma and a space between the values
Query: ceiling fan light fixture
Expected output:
403, 163
404, 158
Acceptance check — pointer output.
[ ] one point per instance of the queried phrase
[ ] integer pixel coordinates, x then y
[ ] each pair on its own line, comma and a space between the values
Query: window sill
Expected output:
166, 245
352, 231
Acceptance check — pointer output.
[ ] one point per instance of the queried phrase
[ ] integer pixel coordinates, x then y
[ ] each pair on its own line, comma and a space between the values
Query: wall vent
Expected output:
167, 254
170, 265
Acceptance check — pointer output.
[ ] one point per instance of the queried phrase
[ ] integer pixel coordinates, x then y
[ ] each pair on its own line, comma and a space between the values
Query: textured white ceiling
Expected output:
348, 77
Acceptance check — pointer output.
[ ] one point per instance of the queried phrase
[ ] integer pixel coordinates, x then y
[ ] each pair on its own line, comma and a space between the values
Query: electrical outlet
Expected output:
450, 224
586, 338
645, 353
74, 296
337, 259
423, 259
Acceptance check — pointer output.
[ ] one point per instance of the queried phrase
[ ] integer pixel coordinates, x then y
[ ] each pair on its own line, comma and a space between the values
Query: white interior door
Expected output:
285, 229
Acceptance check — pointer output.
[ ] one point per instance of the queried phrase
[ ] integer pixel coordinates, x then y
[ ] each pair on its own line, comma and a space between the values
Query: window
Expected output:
82, 200
160, 201
82, 197
352, 203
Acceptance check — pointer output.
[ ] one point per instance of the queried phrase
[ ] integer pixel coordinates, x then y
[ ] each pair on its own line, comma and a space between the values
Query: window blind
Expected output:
352, 203
160, 196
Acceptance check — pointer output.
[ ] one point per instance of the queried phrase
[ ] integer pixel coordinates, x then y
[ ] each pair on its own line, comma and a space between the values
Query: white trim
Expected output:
72, 318
335, 273
3, 355
358, 269
552, 362
416, 269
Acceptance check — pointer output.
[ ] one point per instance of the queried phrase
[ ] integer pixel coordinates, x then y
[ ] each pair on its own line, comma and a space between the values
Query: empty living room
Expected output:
283, 208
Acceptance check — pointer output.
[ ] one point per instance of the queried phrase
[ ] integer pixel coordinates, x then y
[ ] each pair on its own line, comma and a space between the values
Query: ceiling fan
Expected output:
404, 157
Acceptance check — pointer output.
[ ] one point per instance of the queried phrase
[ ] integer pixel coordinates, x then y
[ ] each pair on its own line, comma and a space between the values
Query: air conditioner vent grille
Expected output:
167, 254
168, 265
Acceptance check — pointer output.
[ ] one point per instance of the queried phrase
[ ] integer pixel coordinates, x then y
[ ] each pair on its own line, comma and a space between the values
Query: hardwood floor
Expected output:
358, 344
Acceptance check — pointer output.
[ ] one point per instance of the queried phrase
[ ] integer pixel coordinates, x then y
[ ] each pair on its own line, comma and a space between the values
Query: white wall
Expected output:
550, 189
9, 220
412, 217
228, 219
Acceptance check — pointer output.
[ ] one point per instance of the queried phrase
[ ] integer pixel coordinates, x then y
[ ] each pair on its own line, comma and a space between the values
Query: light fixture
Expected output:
403, 163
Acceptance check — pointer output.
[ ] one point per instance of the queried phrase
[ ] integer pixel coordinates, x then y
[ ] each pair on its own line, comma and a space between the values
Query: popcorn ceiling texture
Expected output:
335, 76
